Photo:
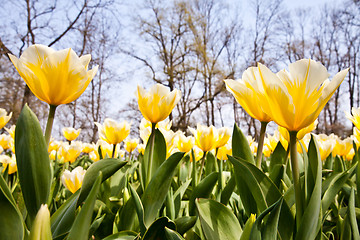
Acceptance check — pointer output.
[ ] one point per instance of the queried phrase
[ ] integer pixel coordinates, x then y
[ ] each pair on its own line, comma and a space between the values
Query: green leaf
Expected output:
309, 226
217, 221
210, 164
255, 186
124, 235
278, 156
185, 223
33, 162
352, 215
332, 185
156, 150
228, 190
240, 146
106, 166
277, 174
11, 221
155, 193
81, 226
157, 229
179, 194
202, 190
172, 235
247, 228
139, 209
63, 218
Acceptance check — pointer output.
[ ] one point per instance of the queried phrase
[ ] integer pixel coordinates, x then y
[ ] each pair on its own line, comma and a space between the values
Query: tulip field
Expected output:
206, 183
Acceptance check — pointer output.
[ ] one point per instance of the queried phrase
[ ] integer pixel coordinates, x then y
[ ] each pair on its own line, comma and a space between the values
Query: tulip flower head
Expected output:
73, 180
298, 96
71, 133
8, 162
112, 131
205, 137
4, 118
224, 135
157, 104
183, 143
131, 144
249, 93
55, 77
354, 117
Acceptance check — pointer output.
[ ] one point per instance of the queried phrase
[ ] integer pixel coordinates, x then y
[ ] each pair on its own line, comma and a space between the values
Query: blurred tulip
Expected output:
4, 119
141, 148
73, 180
205, 137
183, 143
71, 133
342, 147
157, 104
5, 141
55, 77
224, 135
9, 162
131, 144
112, 131
69, 153
11, 131
354, 117
224, 151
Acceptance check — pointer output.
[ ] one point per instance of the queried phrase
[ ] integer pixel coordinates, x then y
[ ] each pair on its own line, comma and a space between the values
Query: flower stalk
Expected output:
296, 177
261, 144
49, 124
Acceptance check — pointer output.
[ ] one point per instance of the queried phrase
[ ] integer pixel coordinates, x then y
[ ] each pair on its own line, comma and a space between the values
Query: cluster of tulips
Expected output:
207, 183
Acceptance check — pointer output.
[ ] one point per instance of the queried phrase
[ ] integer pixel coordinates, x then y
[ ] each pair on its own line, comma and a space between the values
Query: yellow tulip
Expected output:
89, 147
94, 156
5, 141
249, 93
11, 131
205, 137
354, 117
350, 155
71, 133
73, 180
157, 104
141, 148
298, 96
224, 151
69, 153
9, 162
198, 154
55, 77
113, 132
325, 145
356, 136
183, 143
224, 135
131, 144
107, 149
4, 119
342, 147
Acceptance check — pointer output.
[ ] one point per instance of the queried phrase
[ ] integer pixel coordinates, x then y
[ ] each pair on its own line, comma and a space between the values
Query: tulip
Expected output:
183, 143
4, 119
131, 144
141, 148
113, 132
41, 228
224, 135
55, 77
250, 94
157, 104
71, 133
205, 137
73, 180
355, 117
69, 153
5, 141
9, 162
296, 99
224, 151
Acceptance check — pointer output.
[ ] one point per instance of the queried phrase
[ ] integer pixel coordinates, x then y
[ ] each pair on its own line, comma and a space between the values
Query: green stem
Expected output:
49, 124
151, 155
220, 180
296, 177
193, 173
261, 144
114, 149
202, 165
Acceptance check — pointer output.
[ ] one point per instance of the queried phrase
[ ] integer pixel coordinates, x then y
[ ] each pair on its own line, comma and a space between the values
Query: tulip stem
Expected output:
202, 165
193, 173
296, 177
261, 144
151, 154
49, 124
114, 149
